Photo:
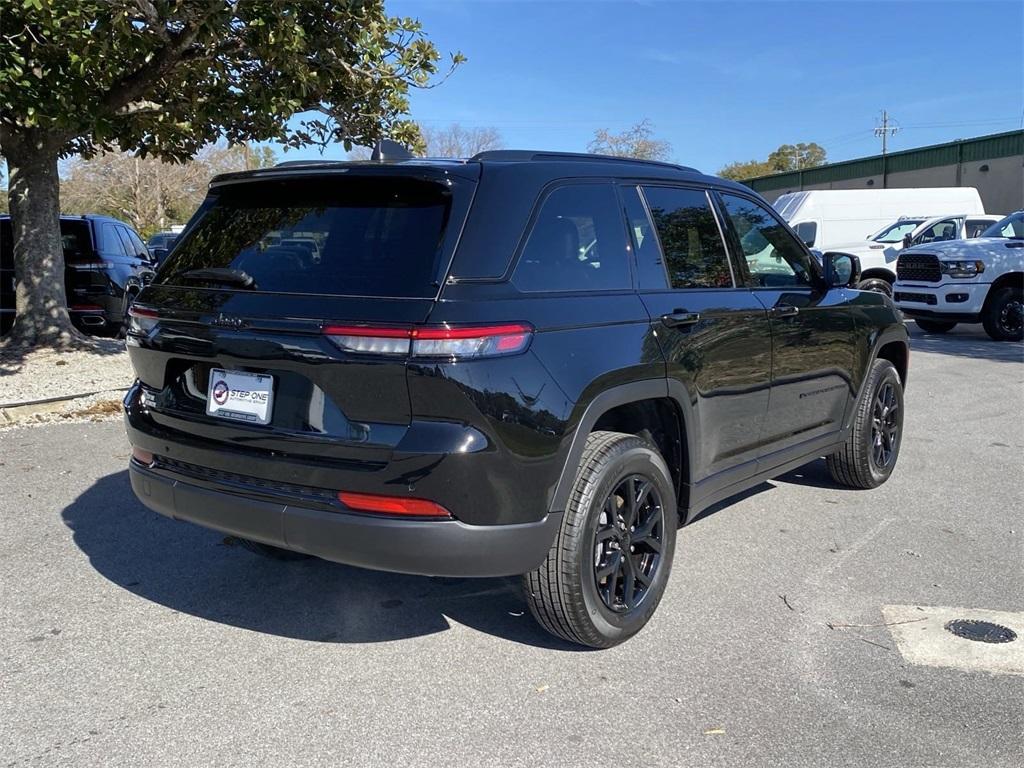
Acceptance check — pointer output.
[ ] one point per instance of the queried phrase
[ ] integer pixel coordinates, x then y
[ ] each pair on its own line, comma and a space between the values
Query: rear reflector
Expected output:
85, 308
442, 342
391, 505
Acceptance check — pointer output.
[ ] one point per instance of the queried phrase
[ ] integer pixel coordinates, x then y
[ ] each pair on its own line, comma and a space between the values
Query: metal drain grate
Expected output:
981, 631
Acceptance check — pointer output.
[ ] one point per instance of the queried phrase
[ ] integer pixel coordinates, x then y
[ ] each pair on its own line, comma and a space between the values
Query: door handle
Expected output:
784, 310
679, 317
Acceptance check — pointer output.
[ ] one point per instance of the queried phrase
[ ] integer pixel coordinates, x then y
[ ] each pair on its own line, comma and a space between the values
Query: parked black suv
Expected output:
523, 363
106, 264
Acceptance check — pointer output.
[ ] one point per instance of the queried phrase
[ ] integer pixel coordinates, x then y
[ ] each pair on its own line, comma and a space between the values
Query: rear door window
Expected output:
354, 236
577, 243
75, 241
690, 239
976, 226
111, 243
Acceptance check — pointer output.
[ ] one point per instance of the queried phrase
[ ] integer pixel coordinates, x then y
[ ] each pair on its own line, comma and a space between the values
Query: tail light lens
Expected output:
391, 505
141, 320
463, 342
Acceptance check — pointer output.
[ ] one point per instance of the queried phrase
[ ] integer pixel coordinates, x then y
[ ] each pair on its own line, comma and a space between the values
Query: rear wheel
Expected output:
1003, 317
271, 552
935, 326
871, 450
608, 566
876, 284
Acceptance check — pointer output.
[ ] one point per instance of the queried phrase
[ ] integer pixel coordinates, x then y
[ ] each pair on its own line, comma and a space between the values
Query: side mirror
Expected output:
159, 254
841, 269
907, 240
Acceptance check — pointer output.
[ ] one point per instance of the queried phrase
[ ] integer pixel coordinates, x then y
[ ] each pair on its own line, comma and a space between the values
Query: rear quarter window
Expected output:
354, 236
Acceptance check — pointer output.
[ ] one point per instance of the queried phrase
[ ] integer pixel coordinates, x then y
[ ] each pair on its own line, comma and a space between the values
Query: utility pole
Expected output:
885, 130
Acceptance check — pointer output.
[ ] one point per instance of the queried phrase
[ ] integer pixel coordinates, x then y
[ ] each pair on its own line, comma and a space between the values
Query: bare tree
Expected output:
450, 141
638, 142
146, 192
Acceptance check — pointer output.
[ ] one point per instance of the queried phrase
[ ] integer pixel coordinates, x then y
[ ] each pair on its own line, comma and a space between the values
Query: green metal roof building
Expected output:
993, 164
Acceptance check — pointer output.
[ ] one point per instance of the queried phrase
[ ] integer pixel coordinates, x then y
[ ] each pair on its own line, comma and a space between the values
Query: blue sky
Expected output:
725, 81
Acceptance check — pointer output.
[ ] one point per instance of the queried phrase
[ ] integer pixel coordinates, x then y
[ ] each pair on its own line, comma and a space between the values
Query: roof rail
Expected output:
522, 155
287, 163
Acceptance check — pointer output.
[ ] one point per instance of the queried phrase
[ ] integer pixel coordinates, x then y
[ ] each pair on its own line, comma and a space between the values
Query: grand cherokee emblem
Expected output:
226, 321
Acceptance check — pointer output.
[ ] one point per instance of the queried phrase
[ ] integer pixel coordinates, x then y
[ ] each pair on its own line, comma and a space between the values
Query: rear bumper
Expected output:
422, 547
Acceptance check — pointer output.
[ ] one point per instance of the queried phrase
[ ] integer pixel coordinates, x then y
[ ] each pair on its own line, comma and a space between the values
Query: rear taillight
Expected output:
437, 342
391, 505
141, 320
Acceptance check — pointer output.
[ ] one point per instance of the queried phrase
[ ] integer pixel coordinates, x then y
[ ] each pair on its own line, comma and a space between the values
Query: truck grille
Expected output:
919, 268
921, 298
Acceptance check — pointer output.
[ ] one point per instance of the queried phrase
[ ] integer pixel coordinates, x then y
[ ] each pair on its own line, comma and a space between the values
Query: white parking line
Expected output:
922, 638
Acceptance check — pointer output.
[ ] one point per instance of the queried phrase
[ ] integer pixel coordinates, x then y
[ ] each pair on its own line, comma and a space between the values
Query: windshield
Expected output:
895, 232
1012, 226
357, 237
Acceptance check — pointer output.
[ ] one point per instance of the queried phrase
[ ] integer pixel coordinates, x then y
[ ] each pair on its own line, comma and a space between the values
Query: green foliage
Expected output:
167, 77
638, 142
788, 157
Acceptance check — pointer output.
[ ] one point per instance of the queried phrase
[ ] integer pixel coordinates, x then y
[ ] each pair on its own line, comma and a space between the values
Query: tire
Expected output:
876, 284
271, 552
1002, 316
566, 595
935, 326
864, 462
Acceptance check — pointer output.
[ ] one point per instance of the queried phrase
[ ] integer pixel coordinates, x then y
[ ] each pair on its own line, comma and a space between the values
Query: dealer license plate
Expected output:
240, 395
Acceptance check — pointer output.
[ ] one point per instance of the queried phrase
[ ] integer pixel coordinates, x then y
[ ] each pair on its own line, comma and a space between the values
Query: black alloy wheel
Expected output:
885, 426
628, 543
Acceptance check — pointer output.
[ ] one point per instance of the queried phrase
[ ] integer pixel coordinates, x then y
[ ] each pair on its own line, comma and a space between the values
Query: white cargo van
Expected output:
826, 217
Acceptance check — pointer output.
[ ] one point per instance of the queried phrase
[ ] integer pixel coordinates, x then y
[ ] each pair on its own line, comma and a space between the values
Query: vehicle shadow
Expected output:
964, 341
813, 475
205, 574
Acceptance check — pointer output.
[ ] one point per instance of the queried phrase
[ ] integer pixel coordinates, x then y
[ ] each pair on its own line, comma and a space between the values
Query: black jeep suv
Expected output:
524, 363
106, 264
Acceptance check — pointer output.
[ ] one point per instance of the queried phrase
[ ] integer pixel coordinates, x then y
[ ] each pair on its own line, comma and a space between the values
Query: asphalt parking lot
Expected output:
129, 639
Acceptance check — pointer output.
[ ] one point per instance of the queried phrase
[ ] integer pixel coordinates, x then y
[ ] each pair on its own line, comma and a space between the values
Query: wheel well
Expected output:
896, 353
878, 272
659, 421
1012, 279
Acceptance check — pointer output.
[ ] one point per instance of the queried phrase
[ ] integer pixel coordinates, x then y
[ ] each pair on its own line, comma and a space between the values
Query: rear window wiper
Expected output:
223, 275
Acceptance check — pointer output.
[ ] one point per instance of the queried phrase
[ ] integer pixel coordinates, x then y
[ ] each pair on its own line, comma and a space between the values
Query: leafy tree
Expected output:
637, 141
788, 157
168, 77
148, 192
751, 169
795, 157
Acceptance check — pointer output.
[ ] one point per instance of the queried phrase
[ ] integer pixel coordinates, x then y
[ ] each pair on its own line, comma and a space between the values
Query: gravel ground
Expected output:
130, 639
47, 373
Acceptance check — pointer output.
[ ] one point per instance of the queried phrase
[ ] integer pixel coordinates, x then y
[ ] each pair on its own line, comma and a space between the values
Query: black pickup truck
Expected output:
521, 363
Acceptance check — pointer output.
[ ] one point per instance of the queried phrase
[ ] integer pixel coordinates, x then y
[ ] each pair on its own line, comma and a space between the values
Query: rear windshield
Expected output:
350, 236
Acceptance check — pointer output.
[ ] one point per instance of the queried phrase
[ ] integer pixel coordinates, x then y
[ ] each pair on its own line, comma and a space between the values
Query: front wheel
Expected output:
871, 450
1003, 317
876, 284
935, 326
608, 566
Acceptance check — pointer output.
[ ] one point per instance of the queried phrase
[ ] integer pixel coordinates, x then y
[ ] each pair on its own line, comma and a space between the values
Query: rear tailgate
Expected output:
233, 298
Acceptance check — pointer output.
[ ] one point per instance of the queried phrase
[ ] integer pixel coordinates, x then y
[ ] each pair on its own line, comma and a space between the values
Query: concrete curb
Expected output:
14, 413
